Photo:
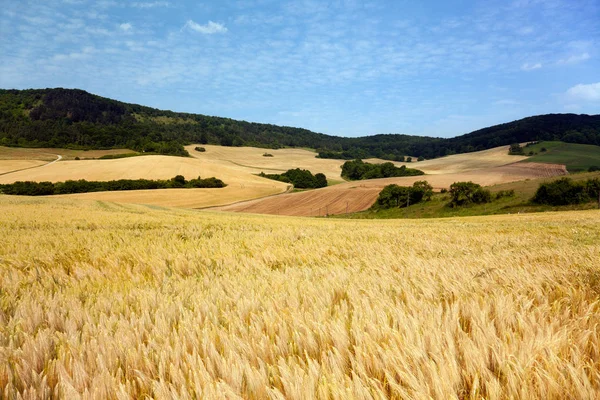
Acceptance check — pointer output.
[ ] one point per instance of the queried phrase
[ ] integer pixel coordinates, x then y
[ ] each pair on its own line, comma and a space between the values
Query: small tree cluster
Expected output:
300, 178
516, 149
393, 195
358, 170
565, 191
465, 193
200, 149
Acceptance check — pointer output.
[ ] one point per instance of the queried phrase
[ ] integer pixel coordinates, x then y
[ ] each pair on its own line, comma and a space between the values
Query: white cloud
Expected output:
125, 27
208, 29
531, 67
150, 4
589, 92
575, 59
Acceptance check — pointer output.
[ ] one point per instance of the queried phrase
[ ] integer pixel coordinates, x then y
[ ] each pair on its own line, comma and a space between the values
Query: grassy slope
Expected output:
103, 300
577, 157
437, 207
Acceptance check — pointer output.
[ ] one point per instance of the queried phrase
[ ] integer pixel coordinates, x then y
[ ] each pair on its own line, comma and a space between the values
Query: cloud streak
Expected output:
209, 28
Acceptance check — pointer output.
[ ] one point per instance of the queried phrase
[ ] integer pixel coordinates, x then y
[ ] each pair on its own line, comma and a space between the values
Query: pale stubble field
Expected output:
100, 300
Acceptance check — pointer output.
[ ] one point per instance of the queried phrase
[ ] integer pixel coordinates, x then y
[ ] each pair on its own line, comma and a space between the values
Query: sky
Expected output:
342, 67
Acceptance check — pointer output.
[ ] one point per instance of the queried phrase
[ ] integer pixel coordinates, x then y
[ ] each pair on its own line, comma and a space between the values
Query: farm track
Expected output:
58, 158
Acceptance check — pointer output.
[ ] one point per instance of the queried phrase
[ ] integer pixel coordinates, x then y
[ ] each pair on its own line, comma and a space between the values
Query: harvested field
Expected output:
7, 166
142, 167
105, 301
241, 186
251, 160
360, 195
188, 198
457, 163
49, 154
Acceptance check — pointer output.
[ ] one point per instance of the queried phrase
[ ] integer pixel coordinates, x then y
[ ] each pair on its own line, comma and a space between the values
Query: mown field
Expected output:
101, 300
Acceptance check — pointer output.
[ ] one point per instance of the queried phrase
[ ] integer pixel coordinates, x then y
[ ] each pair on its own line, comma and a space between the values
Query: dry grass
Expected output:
100, 300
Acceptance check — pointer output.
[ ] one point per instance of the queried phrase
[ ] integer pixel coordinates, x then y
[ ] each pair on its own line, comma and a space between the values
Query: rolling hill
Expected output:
77, 119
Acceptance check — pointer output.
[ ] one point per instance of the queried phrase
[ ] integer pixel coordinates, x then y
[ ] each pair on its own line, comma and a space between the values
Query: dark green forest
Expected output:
74, 118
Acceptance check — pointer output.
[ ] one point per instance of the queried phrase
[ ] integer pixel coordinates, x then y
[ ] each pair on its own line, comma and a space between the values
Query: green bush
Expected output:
200, 149
399, 196
465, 193
565, 191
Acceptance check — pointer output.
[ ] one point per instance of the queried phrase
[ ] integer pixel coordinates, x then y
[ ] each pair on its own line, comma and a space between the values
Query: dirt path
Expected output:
58, 158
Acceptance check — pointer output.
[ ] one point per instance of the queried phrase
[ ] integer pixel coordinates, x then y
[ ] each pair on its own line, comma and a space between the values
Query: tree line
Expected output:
30, 188
73, 118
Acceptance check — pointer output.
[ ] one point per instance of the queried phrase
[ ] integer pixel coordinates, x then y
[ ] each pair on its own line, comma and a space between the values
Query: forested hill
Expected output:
77, 119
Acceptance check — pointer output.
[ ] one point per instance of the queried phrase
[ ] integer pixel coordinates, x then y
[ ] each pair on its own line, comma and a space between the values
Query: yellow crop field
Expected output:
101, 300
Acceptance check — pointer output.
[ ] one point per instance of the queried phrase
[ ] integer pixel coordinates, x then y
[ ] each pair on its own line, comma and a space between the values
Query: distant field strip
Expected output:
104, 301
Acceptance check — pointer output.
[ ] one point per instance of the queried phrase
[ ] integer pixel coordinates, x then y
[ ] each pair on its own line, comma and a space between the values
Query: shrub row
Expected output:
565, 191
29, 188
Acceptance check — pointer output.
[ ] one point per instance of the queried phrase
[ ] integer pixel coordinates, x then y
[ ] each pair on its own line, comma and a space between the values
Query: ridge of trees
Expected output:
74, 118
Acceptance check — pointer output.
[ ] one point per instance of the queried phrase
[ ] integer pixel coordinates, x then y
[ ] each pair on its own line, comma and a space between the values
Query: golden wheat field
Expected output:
107, 301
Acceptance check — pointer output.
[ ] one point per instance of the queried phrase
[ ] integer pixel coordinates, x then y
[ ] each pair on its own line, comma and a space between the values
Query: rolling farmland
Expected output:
103, 300
238, 166
360, 195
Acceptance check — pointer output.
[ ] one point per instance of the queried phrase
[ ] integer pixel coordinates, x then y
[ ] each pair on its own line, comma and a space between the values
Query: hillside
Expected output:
576, 157
77, 119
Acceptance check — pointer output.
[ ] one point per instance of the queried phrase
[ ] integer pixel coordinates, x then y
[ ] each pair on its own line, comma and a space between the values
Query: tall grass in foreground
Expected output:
103, 301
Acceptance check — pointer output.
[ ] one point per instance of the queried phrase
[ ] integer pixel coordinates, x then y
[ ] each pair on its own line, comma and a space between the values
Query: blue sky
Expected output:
343, 67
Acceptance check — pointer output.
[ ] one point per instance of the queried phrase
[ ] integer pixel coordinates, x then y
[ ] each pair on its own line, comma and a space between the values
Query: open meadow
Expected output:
110, 301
